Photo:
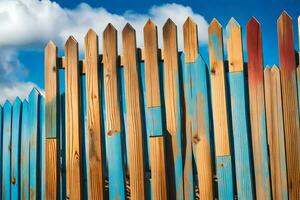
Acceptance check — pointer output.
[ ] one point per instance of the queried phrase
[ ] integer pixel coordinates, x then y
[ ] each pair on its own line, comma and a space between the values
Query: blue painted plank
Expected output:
41, 151
241, 138
15, 145
1, 126
33, 131
197, 109
25, 152
6, 150
225, 182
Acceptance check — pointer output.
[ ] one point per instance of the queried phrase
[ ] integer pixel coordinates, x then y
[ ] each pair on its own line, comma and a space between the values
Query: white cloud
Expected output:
32, 23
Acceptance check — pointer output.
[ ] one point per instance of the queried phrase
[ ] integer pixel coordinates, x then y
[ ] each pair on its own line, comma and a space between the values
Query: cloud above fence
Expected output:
32, 23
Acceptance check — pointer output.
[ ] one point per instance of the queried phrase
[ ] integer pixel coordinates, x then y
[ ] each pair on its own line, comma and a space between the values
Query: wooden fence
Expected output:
158, 123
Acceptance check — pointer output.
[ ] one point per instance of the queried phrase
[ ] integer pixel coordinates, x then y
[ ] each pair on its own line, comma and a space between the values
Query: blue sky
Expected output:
26, 26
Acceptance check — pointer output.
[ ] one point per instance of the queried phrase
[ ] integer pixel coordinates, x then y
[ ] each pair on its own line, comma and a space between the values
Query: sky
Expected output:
27, 25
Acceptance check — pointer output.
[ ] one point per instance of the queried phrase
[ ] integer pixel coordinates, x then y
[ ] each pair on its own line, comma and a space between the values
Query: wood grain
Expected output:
158, 168
290, 105
110, 80
52, 179
52, 116
151, 65
170, 74
133, 109
218, 88
197, 114
257, 110
190, 40
95, 160
73, 121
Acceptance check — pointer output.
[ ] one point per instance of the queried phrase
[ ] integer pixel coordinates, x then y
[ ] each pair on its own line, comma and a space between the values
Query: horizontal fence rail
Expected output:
158, 123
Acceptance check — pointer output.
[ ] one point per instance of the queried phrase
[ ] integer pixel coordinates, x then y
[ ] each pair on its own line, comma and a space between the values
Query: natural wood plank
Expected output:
241, 138
170, 74
290, 105
197, 114
234, 46
52, 116
52, 179
110, 80
158, 168
190, 40
133, 109
95, 160
73, 121
218, 88
257, 110
151, 64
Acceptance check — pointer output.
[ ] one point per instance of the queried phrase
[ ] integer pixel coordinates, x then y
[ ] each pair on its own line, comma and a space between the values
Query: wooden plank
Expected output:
197, 113
6, 149
33, 132
73, 121
219, 107
15, 149
24, 179
95, 160
52, 125
172, 108
290, 104
276, 132
133, 109
114, 153
158, 169
257, 110
190, 40
42, 150
241, 139
151, 64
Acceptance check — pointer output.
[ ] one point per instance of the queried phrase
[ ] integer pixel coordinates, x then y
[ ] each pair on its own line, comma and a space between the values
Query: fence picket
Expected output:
112, 115
157, 159
172, 108
42, 149
220, 115
52, 125
25, 136
289, 100
6, 149
73, 122
197, 111
95, 160
276, 132
15, 145
257, 110
133, 115
240, 127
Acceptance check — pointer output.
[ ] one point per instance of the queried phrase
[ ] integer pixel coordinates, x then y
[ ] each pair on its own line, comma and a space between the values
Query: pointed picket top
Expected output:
71, 41
91, 44
234, 46
91, 34
128, 29
109, 28
215, 43
129, 46
110, 43
275, 68
6, 104
190, 40
150, 25
169, 24
17, 101
34, 92
284, 17
51, 45
214, 24
253, 23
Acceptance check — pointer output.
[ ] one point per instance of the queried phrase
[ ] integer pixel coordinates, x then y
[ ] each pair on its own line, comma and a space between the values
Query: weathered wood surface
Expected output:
158, 168
95, 160
133, 109
73, 121
197, 111
257, 110
219, 108
240, 126
275, 132
289, 101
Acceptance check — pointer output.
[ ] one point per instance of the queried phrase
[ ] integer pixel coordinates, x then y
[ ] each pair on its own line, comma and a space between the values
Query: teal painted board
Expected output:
6, 150
25, 152
1, 114
41, 151
15, 145
33, 132
225, 182
241, 138
197, 108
